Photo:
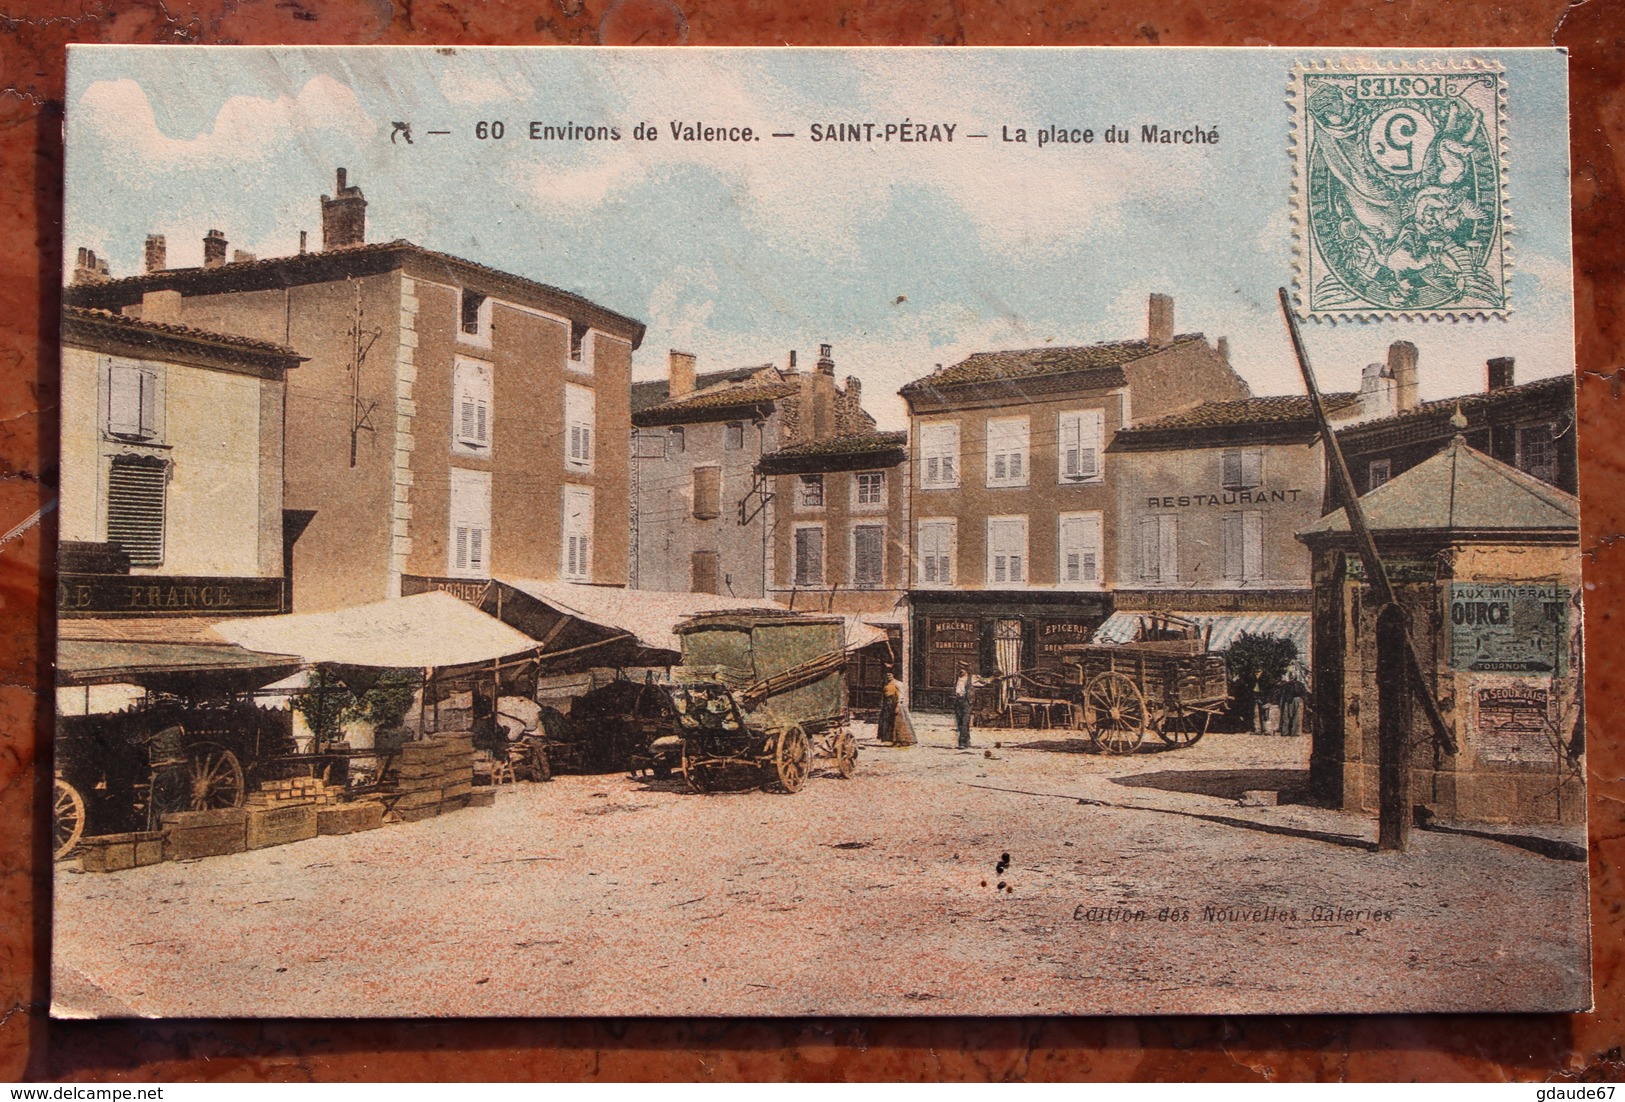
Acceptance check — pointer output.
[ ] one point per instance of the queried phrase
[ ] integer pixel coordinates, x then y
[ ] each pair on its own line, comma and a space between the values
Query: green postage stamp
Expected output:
1401, 191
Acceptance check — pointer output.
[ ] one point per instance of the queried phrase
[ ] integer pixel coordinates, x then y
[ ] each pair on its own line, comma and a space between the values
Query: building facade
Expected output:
171, 494
452, 421
1014, 512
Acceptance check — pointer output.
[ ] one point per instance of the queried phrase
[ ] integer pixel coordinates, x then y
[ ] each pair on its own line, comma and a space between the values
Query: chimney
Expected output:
214, 249
681, 369
238, 256
1402, 369
157, 252
792, 359
161, 307
1499, 374
826, 360
1160, 323
1222, 347
304, 239
344, 216
88, 268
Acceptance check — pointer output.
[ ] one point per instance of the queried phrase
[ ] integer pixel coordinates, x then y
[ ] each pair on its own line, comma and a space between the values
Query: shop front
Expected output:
995, 634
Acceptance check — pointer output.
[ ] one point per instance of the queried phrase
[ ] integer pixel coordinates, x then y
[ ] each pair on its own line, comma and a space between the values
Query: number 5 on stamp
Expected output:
1400, 198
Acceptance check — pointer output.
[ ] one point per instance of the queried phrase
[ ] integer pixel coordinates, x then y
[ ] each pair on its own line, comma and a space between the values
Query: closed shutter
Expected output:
1168, 548
703, 572
707, 493
1252, 546
1252, 468
135, 508
1230, 526
1232, 470
132, 400
868, 555
809, 556
1150, 550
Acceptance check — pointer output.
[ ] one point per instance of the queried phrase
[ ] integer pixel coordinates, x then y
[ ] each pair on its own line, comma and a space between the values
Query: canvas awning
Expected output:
1124, 627
428, 630
171, 667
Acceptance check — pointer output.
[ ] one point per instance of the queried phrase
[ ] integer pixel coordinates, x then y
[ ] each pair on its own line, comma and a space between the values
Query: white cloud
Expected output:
246, 129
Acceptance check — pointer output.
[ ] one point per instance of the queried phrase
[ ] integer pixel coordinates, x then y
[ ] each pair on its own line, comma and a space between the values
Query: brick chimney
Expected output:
1222, 347
1498, 374
161, 307
214, 249
826, 360
157, 252
88, 268
1160, 321
344, 216
680, 367
1402, 369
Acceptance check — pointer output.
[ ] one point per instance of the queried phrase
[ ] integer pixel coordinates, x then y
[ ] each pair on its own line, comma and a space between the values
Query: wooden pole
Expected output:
1393, 732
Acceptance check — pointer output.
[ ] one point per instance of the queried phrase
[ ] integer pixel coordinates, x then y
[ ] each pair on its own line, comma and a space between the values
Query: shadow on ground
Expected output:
1226, 784
1075, 745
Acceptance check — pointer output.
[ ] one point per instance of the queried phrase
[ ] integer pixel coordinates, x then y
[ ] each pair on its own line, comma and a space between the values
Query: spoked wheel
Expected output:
210, 778
846, 753
1184, 727
1118, 709
790, 753
69, 821
693, 772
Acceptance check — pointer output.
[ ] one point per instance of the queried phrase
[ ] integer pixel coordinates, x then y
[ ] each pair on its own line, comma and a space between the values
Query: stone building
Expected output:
1015, 512
452, 421
1484, 560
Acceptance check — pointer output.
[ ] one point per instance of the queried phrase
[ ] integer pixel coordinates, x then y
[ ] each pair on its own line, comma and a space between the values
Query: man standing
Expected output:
964, 689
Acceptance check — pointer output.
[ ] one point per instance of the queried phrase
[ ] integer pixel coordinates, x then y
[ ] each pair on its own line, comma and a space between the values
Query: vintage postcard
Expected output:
818, 532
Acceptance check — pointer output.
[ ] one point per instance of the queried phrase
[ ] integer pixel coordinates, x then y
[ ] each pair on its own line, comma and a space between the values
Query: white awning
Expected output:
425, 630
646, 615
1124, 627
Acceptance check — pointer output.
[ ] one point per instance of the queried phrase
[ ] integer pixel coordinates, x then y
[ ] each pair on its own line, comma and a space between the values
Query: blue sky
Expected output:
902, 256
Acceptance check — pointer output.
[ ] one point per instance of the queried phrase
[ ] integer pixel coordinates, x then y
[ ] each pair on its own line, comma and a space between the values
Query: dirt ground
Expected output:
1033, 878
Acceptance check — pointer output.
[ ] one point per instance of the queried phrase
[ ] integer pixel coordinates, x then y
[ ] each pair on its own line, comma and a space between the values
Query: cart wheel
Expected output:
693, 772
69, 823
1118, 709
846, 753
1184, 728
790, 758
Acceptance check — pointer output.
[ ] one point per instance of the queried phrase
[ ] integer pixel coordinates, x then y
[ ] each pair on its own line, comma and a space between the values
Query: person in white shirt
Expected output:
964, 689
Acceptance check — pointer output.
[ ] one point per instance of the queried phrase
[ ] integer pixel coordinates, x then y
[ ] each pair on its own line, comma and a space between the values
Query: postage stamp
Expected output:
1401, 182
814, 532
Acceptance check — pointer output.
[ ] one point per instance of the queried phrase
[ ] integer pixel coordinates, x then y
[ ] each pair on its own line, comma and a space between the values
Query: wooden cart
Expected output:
759, 694
1168, 683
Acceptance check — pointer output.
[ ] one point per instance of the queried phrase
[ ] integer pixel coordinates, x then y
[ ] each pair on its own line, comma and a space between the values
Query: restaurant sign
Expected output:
1509, 628
148, 595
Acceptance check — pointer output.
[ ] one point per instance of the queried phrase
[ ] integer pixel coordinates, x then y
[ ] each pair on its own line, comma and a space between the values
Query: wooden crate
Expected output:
416, 814
484, 797
276, 826
116, 852
349, 818
193, 834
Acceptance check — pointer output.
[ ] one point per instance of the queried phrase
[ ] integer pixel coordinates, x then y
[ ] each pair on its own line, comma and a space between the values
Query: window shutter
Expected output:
1230, 527
480, 431
476, 548
948, 469
1232, 470
1252, 545
1071, 436
1150, 560
1168, 546
868, 544
1252, 468
135, 509
703, 572
466, 431
1015, 465
124, 399
462, 549
707, 493
1092, 442
586, 443
149, 403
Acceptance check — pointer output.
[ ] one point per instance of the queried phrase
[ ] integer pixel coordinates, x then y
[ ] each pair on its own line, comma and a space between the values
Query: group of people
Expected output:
896, 726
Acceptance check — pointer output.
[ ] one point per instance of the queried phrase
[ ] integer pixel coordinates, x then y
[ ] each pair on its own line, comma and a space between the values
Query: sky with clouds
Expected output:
900, 255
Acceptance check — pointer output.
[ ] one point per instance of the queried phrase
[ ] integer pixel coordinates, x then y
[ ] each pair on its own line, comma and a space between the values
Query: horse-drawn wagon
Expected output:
1167, 682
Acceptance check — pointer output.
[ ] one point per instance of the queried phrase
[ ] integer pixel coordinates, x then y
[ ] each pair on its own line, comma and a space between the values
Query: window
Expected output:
936, 552
577, 549
136, 485
703, 572
1243, 468
868, 556
132, 400
470, 551
939, 455
1159, 548
810, 555
580, 419
1006, 550
1079, 561
678, 442
869, 488
707, 493
733, 436
810, 491
1007, 452
1377, 474
475, 314
1537, 452
1082, 437
1243, 546
471, 431
581, 347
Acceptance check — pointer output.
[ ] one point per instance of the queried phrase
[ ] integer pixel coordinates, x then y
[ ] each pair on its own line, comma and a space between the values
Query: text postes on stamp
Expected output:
1400, 196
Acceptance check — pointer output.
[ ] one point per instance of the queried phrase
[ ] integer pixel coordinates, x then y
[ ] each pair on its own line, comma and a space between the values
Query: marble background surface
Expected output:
1561, 1048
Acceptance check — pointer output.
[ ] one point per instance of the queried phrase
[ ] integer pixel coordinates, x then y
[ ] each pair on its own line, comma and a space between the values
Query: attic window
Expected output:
473, 313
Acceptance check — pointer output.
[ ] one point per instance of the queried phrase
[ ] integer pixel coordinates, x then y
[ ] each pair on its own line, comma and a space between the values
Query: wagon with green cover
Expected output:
758, 694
